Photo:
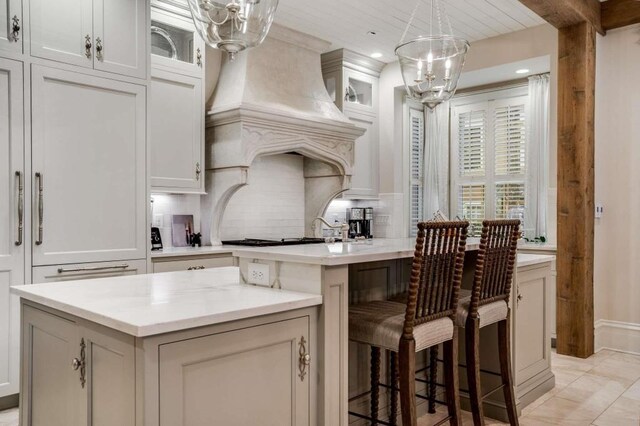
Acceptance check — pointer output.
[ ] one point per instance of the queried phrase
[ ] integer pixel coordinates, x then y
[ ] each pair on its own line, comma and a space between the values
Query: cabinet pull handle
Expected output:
87, 46
40, 208
20, 207
198, 57
92, 268
15, 28
80, 363
99, 49
198, 171
195, 268
304, 359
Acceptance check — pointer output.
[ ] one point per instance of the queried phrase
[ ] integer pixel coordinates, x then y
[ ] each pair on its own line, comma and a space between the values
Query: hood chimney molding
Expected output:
272, 100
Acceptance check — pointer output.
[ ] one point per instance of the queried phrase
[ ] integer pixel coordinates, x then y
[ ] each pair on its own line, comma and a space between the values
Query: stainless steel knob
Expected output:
76, 363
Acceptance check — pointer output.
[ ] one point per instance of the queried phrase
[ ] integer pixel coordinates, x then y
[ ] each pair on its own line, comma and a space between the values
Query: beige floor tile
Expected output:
633, 392
634, 359
619, 369
595, 392
538, 402
623, 412
565, 412
566, 376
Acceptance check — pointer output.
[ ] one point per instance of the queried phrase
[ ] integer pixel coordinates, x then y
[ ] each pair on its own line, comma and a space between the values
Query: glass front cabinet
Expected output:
352, 82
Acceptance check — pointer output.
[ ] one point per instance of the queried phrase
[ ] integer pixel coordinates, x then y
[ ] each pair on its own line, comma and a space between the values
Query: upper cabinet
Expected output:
176, 104
352, 82
11, 26
106, 35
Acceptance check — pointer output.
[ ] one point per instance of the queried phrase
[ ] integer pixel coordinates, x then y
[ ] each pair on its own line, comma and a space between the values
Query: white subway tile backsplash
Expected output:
166, 205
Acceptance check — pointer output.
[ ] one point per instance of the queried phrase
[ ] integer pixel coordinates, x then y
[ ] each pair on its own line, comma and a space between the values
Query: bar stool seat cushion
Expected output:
488, 314
380, 324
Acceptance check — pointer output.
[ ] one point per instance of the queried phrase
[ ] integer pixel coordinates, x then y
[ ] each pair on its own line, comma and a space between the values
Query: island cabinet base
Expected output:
250, 371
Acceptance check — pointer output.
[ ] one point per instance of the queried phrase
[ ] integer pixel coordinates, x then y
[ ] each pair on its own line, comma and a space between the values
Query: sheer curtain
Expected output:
436, 160
538, 170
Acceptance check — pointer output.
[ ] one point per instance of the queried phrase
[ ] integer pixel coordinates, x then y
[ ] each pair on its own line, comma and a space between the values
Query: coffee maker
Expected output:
360, 220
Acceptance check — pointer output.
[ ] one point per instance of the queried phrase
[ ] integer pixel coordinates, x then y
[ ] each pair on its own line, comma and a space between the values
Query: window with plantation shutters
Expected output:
416, 166
489, 157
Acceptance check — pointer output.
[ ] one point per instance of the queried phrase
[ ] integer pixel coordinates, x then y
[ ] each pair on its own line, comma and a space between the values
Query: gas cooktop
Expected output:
255, 242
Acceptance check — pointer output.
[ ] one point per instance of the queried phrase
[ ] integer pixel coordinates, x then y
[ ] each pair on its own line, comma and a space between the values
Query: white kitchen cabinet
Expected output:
120, 33
176, 115
11, 26
352, 81
89, 166
108, 35
11, 219
246, 376
175, 44
76, 373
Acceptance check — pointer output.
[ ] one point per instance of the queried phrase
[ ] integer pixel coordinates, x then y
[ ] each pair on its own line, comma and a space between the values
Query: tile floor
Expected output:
603, 390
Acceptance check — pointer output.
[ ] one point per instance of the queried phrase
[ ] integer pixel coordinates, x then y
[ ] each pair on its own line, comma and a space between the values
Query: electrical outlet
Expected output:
382, 219
258, 274
157, 220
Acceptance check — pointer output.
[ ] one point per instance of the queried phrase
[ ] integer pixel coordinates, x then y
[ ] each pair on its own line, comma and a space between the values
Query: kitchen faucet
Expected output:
344, 227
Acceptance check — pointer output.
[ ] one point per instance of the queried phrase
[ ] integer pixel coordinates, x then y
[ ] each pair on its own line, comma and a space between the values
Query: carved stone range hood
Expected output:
272, 100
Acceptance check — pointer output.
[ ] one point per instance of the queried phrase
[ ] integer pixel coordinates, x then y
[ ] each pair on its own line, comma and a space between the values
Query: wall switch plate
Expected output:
599, 211
258, 274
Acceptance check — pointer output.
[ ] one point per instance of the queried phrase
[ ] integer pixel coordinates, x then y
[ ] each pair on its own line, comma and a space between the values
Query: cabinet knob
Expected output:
304, 359
198, 171
199, 57
87, 46
99, 49
15, 28
76, 363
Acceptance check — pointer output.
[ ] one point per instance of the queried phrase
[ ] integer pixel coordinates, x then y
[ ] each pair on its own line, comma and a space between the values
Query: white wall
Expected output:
506, 49
272, 204
617, 172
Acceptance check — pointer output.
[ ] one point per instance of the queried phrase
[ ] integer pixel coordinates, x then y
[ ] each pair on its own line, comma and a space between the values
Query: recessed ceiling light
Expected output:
371, 32
522, 71
376, 55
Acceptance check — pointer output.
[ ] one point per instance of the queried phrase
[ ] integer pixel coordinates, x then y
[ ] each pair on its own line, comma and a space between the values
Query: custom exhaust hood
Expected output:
272, 100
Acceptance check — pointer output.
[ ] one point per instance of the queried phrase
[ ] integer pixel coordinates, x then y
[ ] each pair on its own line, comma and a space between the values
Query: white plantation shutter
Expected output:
488, 178
416, 169
471, 143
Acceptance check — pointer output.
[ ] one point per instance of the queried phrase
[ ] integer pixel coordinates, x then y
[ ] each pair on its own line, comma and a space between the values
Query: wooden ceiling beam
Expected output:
620, 13
565, 13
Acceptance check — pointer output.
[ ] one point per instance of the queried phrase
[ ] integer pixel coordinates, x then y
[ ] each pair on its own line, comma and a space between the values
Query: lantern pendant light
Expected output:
235, 25
431, 64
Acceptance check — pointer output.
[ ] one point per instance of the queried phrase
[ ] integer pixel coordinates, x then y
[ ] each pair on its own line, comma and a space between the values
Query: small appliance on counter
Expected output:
360, 220
156, 239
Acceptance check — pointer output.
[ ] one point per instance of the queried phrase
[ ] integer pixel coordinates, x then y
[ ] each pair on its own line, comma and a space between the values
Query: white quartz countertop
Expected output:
533, 259
145, 305
373, 250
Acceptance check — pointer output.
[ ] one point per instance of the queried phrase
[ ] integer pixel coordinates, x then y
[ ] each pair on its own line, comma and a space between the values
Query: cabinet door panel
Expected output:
8, 10
176, 131
111, 380
55, 396
121, 27
11, 255
58, 30
88, 137
365, 166
242, 377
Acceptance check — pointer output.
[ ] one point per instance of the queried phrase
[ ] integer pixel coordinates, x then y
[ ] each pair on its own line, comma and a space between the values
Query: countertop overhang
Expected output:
151, 304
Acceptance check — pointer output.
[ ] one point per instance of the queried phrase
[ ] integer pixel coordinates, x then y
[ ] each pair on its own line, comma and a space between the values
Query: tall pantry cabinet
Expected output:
74, 79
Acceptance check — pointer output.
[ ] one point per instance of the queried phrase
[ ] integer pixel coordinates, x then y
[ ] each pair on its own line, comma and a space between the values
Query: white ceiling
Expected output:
345, 23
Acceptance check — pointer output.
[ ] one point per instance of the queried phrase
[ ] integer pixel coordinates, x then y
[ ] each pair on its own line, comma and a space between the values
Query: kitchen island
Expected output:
347, 273
180, 348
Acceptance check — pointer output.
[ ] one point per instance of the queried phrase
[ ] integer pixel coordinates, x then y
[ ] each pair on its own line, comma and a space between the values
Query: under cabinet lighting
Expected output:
376, 55
522, 71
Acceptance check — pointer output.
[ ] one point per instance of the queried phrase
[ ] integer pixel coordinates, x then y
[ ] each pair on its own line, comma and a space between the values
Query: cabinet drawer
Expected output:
84, 271
192, 263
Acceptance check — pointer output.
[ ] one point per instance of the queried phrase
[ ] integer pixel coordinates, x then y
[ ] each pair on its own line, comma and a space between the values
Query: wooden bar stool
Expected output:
488, 303
425, 320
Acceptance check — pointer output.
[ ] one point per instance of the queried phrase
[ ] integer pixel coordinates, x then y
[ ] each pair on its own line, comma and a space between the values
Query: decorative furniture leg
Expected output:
433, 378
393, 415
375, 384
407, 360
504, 349
472, 345
451, 379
